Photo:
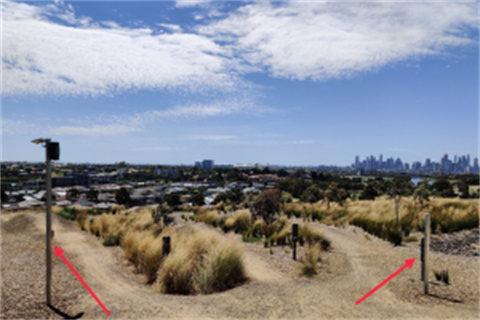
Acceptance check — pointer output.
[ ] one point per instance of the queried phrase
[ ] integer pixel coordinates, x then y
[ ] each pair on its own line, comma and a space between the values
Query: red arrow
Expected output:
408, 263
59, 252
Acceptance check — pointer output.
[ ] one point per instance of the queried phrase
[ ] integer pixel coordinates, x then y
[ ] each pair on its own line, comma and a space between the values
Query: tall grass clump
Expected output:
309, 266
313, 237
238, 222
201, 261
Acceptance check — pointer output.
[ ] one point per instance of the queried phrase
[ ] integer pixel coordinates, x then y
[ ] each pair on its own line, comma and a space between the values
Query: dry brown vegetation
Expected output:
201, 261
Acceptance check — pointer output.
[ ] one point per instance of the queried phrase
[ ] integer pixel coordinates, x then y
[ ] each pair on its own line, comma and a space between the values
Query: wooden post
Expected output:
48, 195
294, 239
166, 246
425, 253
422, 258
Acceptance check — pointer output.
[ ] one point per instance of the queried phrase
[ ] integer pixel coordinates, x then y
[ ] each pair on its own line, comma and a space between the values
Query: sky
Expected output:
288, 83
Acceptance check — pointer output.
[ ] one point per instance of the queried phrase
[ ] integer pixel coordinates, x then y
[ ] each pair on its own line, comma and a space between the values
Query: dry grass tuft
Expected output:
309, 267
201, 262
238, 222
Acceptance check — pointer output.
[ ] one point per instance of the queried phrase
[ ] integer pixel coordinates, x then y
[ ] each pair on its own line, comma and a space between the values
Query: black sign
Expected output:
53, 150
294, 232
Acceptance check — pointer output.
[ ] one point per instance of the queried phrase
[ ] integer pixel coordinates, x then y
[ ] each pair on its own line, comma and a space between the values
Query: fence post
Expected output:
166, 245
422, 258
426, 251
294, 239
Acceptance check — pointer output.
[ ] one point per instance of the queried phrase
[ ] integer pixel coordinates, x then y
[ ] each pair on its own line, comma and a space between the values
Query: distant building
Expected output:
207, 164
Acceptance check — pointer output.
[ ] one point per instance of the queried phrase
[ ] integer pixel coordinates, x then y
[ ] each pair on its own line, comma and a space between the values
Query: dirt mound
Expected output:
457, 243
19, 224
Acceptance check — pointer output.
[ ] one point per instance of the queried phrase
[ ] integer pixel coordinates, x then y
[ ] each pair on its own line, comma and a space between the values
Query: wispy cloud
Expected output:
95, 130
322, 41
9, 126
212, 137
155, 149
114, 125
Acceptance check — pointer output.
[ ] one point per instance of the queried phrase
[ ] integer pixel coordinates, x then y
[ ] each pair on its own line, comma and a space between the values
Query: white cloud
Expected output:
293, 40
172, 27
189, 3
41, 57
94, 130
335, 40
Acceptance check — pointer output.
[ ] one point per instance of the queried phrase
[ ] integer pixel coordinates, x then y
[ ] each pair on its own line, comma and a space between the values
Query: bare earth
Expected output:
355, 265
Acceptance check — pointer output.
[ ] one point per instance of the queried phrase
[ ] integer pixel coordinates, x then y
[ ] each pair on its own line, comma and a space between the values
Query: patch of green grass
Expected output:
252, 239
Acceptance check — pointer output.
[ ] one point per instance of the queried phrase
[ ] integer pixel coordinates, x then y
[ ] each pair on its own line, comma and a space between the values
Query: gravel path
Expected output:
271, 293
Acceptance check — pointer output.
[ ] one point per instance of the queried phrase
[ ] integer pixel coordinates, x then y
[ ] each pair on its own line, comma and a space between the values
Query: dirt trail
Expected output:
269, 294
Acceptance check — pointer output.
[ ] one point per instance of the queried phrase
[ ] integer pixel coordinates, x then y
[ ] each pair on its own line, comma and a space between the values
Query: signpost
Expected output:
294, 239
52, 152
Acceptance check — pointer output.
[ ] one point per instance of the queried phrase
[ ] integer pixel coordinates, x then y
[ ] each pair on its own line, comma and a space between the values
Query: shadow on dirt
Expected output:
64, 315
445, 298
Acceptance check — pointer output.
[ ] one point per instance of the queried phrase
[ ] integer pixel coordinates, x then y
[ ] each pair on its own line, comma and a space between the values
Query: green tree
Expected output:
197, 199
312, 194
4, 196
463, 188
440, 186
92, 195
400, 186
72, 194
369, 193
173, 199
266, 205
335, 194
122, 196
421, 194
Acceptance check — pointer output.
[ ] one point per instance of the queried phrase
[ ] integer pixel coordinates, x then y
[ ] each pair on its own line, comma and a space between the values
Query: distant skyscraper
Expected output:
207, 164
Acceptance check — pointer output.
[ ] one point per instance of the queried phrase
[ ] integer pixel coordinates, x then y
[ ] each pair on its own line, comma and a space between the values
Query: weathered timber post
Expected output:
426, 251
166, 245
422, 258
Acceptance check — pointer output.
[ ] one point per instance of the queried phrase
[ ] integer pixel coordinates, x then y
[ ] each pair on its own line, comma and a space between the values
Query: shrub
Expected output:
68, 213
394, 234
110, 241
309, 267
313, 237
410, 239
238, 222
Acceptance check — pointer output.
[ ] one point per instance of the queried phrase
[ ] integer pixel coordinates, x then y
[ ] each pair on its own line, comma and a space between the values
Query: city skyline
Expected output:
292, 83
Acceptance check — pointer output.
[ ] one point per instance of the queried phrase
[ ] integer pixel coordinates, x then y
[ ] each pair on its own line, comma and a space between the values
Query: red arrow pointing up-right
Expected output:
408, 263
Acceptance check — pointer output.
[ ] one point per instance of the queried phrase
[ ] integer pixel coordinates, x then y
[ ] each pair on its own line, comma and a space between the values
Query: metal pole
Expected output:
425, 253
48, 183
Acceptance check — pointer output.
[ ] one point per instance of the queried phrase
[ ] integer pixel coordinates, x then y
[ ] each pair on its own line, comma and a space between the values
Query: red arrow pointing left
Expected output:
59, 252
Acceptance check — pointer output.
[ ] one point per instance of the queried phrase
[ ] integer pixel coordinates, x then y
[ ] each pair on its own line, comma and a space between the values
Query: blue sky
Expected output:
290, 83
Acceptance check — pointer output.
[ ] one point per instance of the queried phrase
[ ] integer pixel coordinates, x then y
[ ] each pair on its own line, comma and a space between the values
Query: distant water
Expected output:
415, 181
